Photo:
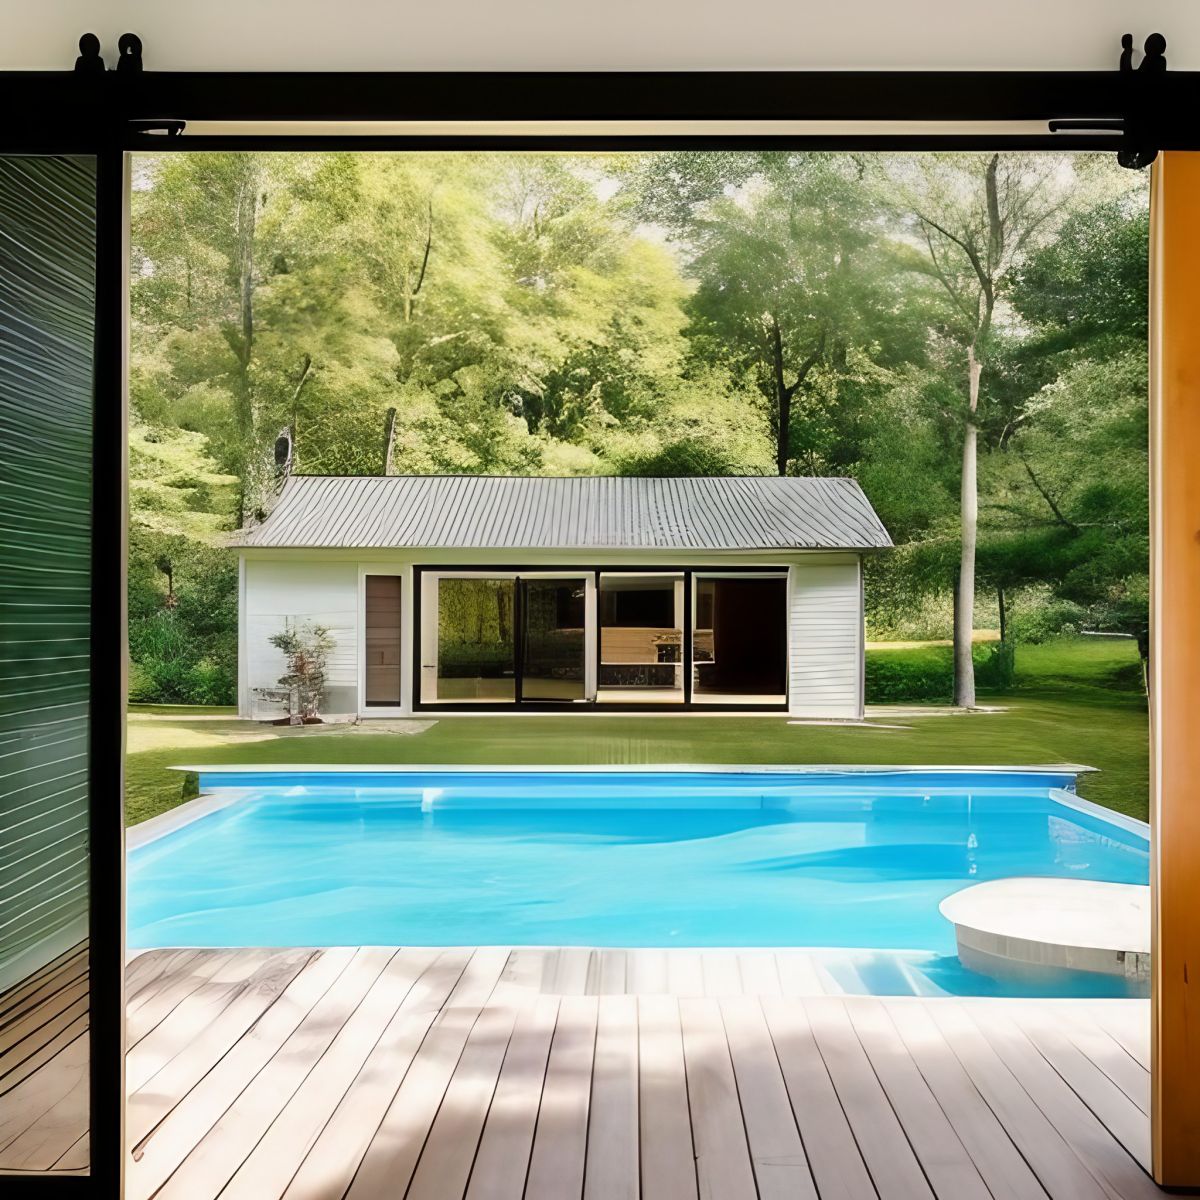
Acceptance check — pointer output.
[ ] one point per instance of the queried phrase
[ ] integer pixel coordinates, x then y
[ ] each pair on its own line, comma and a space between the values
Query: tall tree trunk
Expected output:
1002, 608
389, 440
411, 290
964, 666
783, 402
247, 218
256, 470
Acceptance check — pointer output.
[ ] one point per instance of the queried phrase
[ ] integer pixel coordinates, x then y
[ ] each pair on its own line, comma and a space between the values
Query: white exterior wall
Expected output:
278, 592
825, 618
826, 640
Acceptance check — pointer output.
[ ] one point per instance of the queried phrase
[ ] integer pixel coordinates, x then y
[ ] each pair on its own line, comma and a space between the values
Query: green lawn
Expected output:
1076, 700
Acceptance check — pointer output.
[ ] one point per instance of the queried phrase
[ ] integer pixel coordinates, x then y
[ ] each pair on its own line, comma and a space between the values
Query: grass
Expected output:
1076, 700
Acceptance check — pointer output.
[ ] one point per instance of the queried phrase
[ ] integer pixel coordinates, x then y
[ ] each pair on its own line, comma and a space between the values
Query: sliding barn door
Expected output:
47, 326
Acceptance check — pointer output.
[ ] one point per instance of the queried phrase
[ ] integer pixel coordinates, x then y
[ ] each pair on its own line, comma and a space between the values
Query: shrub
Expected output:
925, 674
995, 666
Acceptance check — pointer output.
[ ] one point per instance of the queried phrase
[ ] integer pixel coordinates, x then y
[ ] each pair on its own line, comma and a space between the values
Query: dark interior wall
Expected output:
749, 638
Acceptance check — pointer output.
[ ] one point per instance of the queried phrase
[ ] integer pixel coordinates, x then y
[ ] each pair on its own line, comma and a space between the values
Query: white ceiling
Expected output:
351, 35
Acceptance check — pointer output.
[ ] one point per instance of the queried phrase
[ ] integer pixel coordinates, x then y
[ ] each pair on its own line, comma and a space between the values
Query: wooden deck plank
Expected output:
1056, 1165
833, 1155
760, 974
1075, 1122
57, 1128
502, 1158
159, 1152
35, 1115
391, 1158
684, 973
647, 971
77, 1157
665, 1152
572, 969
329, 1166
444, 1168
797, 974
994, 1155
150, 1103
31, 994
51, 1041
147, 972
721, 974
159, 1000
894, 1167
71, 1001
1111, 1057
190, 1017
68, 965
781, 1169
723, 1166
939, 1140
613, 971
210, 1165
269, 1167
523, 970
1112, 1106
557, 1159
1129, 1022
453, 1073
613, 1170
166, 967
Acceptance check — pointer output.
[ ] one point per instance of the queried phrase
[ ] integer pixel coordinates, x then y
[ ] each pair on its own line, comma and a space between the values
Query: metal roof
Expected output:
587, 512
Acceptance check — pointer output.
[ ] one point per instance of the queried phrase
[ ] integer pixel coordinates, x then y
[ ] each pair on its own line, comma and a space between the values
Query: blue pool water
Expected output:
855, 862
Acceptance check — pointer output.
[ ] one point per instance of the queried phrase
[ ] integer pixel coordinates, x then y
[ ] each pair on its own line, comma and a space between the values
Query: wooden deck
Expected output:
439, 1074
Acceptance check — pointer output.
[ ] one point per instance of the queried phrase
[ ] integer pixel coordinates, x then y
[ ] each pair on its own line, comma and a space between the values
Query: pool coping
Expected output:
145, 832
636, 768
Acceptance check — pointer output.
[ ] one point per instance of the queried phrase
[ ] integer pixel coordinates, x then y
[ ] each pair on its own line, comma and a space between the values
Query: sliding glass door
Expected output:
473, 657
499, 638
47, 329
553, 641
739, 639
616, 638
641, 639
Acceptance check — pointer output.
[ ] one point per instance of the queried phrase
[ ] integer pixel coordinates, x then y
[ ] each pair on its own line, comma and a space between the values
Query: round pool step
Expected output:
1062, 924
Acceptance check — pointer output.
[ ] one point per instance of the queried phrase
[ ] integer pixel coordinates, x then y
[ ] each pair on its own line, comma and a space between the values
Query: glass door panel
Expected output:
641, 639
739, 640
553, 642
47, 315
476, 640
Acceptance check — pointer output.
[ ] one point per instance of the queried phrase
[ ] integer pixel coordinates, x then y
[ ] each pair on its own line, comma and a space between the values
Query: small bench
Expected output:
1063, 924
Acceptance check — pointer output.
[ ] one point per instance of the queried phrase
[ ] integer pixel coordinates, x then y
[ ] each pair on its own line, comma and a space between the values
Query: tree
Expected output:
307, 648
974, 218
783, 281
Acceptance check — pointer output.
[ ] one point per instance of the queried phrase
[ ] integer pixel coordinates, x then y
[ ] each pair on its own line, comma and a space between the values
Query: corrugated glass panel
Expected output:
47, 304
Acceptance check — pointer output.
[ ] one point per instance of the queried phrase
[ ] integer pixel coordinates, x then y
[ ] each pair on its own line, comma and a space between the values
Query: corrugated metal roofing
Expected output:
588, 512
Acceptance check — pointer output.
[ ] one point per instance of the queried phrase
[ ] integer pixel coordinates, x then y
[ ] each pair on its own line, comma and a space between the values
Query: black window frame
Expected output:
595, 570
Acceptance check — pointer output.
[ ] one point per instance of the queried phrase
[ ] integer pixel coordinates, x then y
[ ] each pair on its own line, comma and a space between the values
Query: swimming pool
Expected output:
852, 861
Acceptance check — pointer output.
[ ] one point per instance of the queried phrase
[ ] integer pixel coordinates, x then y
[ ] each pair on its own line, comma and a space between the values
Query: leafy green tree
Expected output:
974, 218
785, 285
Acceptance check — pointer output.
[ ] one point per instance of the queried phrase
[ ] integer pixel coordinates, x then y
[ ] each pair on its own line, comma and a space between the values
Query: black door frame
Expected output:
107, 115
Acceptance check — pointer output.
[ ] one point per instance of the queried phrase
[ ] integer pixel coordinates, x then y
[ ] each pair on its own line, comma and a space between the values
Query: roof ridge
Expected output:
562, 478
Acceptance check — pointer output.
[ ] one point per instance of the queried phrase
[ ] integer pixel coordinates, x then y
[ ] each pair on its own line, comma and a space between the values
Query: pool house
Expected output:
479, 593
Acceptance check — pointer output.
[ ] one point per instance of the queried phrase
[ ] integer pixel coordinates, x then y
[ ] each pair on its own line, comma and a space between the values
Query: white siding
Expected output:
826, 637
278, 592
